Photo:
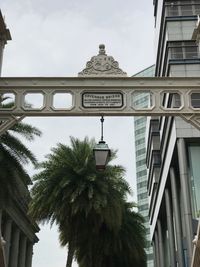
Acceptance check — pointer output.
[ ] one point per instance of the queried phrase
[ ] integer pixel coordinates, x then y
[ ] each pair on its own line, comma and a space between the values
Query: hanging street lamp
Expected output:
101, 151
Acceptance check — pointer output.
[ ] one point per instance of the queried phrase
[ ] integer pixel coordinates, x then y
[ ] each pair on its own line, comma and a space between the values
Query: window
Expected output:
195, 100
190, 52
140, 152
186, 10
182, 8
140, 141
176, 53
140, 163
183, 50
172, 101
142, 100
140, 121
142, 184
176, 100
156, 158
141, 173
142, 196
140, 131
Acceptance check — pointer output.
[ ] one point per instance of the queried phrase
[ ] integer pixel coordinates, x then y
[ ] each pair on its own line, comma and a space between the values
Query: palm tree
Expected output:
110, 249
13, 156
70, 192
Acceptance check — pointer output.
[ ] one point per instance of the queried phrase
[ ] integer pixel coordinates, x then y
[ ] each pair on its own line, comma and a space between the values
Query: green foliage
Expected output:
88, 206
13, 156
110, 249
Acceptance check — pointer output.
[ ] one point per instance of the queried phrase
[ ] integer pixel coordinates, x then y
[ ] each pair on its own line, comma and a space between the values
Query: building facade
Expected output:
141, 100
17, 231
173, 145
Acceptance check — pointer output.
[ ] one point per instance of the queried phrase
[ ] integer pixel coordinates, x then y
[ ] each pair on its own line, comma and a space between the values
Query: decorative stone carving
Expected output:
102, 65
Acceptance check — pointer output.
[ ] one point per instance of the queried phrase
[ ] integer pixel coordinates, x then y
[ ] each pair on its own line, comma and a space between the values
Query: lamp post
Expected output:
101, 151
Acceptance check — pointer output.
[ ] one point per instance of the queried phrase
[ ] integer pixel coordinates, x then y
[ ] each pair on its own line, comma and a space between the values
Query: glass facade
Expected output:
182, 8
174, 187
142, 100
148, 72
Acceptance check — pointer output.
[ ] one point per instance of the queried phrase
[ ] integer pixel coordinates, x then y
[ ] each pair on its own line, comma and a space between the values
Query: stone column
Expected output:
177, 218
14, 248
160, 243
7, 237
29, 254
170, 228
22, 251
184, 180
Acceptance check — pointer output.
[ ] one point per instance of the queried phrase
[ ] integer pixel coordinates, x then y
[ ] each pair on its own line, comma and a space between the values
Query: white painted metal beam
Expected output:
108, 96
77, 87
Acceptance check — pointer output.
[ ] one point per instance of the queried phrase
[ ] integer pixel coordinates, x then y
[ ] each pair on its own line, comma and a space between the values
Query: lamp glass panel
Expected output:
101, 158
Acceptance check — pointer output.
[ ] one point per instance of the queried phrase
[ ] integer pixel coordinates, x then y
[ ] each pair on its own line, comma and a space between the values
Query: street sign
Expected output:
102, 100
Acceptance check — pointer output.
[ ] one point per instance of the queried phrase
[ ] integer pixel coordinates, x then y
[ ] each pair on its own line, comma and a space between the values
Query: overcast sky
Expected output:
57, 38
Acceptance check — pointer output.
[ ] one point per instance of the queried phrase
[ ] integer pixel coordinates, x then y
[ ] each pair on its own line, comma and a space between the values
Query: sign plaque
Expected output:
102, 100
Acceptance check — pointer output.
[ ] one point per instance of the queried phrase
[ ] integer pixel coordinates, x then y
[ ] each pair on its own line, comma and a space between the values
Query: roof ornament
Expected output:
102, 65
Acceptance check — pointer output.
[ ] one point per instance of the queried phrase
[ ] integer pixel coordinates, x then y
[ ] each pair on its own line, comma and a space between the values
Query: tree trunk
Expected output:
70, 255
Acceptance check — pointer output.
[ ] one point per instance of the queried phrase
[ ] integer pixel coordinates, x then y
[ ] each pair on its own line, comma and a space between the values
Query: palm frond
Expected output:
26, 130
17, 149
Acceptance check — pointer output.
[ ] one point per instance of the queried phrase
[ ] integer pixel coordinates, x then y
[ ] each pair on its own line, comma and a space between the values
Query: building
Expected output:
17, 231
140, 156
173, 145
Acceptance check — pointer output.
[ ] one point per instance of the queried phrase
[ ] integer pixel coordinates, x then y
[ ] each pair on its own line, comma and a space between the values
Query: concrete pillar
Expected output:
22, 251
7, 237
160, 243
29, 254
156, 243
184, 180
170, 228
177, 218
14, 248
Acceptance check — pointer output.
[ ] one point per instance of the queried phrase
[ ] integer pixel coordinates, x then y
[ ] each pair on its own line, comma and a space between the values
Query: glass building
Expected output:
173, 145
142, 100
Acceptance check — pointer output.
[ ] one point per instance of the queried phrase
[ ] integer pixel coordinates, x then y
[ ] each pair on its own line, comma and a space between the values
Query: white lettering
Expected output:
114, 100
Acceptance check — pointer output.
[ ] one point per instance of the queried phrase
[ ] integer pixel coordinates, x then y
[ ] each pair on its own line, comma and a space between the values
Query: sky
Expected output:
57, 38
